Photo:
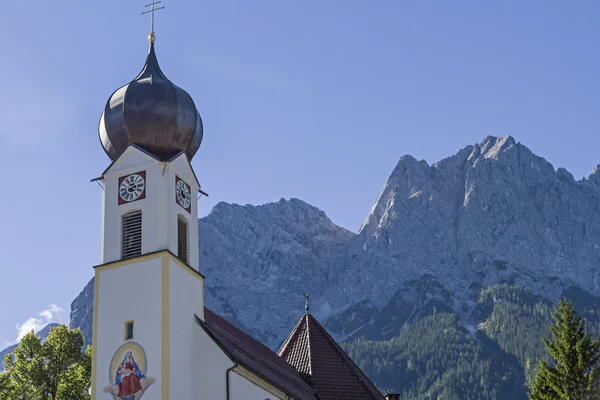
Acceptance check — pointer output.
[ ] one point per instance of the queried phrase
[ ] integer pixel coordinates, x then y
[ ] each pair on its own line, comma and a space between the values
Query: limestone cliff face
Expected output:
494, 212
82, 312
258, 260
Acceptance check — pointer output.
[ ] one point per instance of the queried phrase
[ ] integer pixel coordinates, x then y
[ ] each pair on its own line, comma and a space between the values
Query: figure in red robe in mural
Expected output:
128, 377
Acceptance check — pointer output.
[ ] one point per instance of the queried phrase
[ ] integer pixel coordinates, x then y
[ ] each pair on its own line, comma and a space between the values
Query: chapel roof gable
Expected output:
324, 365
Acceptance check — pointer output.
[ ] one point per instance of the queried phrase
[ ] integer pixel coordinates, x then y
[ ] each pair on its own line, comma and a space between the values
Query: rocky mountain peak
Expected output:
288, 215
594, 177
494, 160
488, 214
492, 146
265, 257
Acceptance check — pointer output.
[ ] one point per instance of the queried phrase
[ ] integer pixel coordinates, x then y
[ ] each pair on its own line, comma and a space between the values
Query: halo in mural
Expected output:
127, 374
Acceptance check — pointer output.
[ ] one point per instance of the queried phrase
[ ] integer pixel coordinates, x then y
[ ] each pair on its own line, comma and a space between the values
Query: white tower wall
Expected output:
185, 302
120, 300
157, 291
159, 209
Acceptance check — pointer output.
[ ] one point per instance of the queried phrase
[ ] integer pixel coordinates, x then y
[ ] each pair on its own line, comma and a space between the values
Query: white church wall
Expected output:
129, 293
210, 367
181, 168
243, 389
131, 161
186, 300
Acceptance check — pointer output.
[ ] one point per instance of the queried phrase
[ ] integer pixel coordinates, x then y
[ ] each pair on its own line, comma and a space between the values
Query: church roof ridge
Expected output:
324, 364
284, 348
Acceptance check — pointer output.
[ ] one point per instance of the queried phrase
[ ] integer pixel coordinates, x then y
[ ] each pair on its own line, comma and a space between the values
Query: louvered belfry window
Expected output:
131, 244
182, 238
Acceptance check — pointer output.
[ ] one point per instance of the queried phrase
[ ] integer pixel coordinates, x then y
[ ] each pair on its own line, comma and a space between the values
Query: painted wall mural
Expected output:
127, 373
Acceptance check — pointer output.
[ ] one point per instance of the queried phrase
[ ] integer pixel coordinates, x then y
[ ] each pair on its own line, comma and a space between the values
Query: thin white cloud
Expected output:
53, 314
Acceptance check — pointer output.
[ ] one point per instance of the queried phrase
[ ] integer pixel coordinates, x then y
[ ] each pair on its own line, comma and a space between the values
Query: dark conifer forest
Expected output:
437, 358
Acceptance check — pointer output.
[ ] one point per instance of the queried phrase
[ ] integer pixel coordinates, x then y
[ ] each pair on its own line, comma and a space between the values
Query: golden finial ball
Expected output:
152, 37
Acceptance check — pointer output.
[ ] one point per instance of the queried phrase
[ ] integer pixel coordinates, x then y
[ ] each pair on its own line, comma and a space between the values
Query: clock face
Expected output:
132, 187
183, 195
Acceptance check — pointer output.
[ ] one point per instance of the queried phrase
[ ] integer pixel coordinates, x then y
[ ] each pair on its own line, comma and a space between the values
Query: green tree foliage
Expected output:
5, 386
435, 358
574, 373
53, 370
515, 320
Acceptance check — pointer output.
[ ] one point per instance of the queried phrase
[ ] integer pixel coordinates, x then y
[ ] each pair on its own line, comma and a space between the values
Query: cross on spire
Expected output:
306, 297
152, 11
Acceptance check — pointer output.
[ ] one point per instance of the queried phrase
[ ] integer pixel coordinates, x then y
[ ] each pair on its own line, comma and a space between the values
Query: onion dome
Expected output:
152, 113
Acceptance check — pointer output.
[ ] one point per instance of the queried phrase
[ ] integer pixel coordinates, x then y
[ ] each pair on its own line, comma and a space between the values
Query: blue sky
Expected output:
309, 99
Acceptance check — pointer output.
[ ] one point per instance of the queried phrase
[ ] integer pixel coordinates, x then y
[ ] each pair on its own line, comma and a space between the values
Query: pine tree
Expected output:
575, 372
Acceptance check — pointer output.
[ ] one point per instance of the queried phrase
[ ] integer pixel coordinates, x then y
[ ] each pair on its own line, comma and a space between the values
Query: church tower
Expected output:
148, 288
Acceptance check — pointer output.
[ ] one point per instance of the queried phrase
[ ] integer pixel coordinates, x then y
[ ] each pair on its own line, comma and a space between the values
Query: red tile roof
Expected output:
257, 357
324, 365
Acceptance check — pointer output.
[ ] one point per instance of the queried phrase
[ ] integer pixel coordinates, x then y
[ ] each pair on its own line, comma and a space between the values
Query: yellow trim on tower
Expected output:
165, 328
95, 331
187, 267
129, 261
151, 256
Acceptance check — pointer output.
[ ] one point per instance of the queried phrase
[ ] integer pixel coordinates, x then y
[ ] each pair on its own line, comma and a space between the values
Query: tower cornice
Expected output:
149, 256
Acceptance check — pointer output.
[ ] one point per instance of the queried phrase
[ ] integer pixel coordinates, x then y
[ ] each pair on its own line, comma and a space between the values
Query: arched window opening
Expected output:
182, 238
131, 236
